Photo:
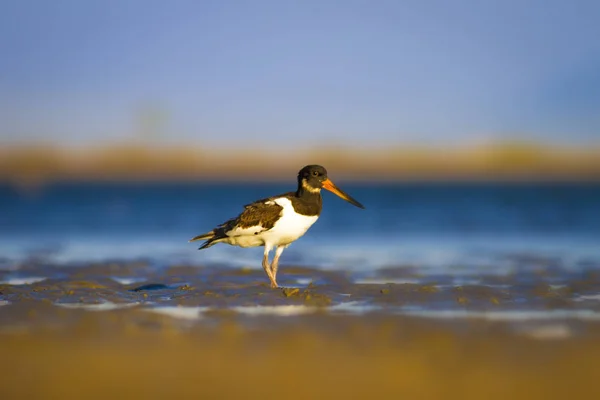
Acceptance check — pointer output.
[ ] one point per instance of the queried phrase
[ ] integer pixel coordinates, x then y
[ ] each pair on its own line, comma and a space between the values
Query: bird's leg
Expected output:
267, 267
275, 263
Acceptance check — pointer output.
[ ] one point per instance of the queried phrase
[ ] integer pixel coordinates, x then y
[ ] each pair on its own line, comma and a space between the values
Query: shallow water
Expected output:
528, 295
437, 227
511, 252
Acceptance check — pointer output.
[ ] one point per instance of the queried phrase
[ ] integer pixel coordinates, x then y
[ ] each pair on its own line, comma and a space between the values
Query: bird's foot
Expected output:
274, 285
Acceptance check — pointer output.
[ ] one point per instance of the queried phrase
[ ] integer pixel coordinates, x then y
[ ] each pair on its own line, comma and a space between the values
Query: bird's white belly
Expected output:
289, 227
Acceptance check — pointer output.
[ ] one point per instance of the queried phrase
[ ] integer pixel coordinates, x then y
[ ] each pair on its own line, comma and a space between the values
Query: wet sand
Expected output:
136, 331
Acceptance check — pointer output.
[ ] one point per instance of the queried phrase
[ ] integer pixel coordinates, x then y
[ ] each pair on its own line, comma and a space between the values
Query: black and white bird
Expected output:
277, 221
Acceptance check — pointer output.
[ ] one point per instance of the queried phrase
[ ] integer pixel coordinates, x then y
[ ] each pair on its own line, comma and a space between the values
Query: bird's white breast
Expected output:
290, 226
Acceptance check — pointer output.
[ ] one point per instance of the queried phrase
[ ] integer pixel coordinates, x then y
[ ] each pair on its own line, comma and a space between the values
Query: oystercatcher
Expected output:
277, 221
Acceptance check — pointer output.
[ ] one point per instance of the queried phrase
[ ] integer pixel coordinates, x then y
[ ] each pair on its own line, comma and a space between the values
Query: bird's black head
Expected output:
313, 178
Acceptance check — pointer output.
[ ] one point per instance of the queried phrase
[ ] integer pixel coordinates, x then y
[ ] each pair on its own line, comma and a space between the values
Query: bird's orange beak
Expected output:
327, 184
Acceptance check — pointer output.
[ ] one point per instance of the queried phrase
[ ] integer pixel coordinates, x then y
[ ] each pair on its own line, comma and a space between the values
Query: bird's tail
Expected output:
204, 236
210, 238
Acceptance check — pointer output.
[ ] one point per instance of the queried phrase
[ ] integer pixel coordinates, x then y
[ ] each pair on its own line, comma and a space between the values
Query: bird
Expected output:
275, 222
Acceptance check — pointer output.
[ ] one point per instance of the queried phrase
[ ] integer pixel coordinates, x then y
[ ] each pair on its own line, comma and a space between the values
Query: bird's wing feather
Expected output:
257, 217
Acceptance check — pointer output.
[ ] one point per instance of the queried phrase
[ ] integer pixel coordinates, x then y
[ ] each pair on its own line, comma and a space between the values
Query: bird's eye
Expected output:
315, 173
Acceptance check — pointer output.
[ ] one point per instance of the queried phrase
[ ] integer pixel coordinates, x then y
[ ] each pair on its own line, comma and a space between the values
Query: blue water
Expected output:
430, 225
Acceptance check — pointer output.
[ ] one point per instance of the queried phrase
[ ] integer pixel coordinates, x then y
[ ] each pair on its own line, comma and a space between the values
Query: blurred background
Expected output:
127, 127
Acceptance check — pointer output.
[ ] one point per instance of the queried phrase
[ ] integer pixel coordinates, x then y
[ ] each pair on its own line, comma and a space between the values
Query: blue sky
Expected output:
284, 73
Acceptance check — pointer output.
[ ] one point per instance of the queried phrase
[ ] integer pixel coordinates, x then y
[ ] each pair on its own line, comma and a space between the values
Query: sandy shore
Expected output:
102, 331
32, 165
120, 354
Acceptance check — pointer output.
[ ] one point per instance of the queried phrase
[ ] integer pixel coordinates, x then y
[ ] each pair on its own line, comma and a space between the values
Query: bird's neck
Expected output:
308, 193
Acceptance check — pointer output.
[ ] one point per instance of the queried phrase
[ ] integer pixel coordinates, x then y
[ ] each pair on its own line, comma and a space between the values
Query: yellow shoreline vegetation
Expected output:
503, 161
